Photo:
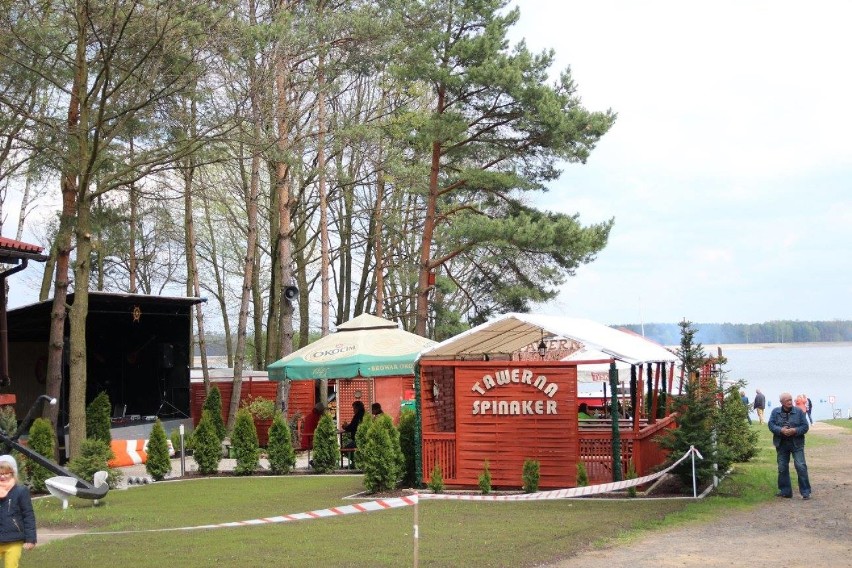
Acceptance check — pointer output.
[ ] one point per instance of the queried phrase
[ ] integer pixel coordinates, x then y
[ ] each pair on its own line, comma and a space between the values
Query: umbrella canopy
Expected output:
365, 346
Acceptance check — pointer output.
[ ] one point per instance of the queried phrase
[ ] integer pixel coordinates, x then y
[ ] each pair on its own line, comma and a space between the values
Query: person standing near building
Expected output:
808, 407
789, 425
17, 519
744, 398
759, 405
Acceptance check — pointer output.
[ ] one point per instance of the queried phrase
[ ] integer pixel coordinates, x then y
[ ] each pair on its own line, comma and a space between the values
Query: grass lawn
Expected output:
452, 533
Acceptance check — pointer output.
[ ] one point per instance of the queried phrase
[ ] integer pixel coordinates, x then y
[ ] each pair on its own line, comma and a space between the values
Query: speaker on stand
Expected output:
166, 360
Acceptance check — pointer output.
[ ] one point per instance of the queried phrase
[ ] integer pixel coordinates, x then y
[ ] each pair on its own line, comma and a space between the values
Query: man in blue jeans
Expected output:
789, 425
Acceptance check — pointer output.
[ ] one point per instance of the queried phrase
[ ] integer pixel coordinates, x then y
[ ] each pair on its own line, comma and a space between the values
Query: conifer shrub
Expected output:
436, 480
485, 480
207, 447
159, 464
531, 475
380, 456
175, 438
407, 445
244, 443
98, 418
282, 456
582, 475
94, 456
326, 448
631, 474
8, 420
734, 430
43, 441
361, 436
213, 404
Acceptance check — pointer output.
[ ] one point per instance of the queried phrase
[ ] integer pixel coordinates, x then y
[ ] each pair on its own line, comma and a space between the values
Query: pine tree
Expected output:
94, 457
42, 440
159, 464
326, 448
282, 456
531, 475
207, 447
244, 443
381, 457
213, 404
735, 433
407, 445
484, 480
98, 418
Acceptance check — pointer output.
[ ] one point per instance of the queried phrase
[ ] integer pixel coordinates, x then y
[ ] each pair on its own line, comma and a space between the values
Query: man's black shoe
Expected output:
779, 494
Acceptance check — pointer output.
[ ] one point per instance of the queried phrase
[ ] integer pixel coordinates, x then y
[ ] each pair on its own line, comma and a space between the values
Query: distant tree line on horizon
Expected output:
781, 331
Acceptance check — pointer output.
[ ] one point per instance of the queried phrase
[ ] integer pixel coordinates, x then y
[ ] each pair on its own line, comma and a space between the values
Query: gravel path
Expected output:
786, 532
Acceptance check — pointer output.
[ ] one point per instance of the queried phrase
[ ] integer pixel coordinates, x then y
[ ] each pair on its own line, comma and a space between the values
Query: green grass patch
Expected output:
842, 422
452, 533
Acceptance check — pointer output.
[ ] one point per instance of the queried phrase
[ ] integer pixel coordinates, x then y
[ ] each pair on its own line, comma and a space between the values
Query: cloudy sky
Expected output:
728, 170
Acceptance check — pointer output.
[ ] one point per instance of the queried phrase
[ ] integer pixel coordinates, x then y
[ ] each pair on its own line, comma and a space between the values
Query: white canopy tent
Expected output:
511, 332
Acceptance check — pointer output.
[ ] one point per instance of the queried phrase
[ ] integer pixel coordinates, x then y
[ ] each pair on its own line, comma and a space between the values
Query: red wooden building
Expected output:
480, 398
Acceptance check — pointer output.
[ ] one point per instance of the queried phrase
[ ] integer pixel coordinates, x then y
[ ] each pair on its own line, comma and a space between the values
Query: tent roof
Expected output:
509, 333
365, 346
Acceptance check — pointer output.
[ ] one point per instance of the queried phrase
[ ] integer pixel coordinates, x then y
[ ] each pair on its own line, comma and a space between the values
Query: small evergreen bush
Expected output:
531, 475
175, 438
94, 455
98, 418
735, 432
381, 458
485, 480
582, 475
244, 443
326, 448
8, 420
407, 446
159, 464
436, 481
207, 447
361, 437
631, 474
282, 456
43, 441
213, 404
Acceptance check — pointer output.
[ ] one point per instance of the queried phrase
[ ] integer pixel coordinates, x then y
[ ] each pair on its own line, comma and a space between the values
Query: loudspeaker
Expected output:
167, 355
291, 292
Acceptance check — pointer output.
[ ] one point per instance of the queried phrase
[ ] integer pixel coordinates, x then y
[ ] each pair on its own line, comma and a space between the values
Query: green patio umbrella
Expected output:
365, 346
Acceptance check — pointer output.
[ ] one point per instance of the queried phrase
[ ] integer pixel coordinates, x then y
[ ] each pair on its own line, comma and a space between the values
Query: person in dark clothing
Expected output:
376, 409
789, 424
352, 427
744, 398
17, 519
759, 405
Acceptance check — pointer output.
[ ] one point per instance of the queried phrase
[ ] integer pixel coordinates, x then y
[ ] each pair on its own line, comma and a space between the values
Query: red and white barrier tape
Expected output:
397, 502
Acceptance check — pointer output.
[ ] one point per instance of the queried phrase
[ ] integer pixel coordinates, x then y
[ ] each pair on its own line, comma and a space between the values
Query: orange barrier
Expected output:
131, 452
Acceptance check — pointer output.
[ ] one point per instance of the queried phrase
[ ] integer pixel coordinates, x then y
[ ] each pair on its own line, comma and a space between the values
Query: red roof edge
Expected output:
19, 245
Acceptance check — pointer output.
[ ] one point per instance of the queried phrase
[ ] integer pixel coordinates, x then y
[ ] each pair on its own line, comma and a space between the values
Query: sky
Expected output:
728, 169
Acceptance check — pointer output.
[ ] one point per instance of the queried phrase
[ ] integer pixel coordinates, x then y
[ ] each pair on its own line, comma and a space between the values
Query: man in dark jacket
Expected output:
789, 426
759, 405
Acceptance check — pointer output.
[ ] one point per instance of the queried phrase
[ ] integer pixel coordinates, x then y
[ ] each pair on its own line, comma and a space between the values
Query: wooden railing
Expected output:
440, 448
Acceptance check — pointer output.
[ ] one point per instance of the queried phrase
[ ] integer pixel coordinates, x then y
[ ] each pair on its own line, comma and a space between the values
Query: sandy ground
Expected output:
787, 532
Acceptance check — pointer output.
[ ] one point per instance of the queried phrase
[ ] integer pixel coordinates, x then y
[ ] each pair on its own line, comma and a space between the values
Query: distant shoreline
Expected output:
747, 346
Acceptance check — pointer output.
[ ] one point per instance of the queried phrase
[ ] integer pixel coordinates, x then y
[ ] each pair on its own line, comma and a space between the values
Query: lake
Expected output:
819, 370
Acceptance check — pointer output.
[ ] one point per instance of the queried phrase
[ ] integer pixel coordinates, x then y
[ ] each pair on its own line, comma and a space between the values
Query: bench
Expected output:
349, 453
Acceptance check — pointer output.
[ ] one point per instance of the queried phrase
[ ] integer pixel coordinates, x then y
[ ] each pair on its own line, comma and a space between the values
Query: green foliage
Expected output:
380, 456
436, 480
697, 420
244, 443
326, 448
531, 475
484, 480
213, 404
94, 456
631, 474
159, 464
735, 432
260, 407
98, 418
175, 438
361, 436
42, 439
282, 456
408, 445
8, 420
207, 447
582, 475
